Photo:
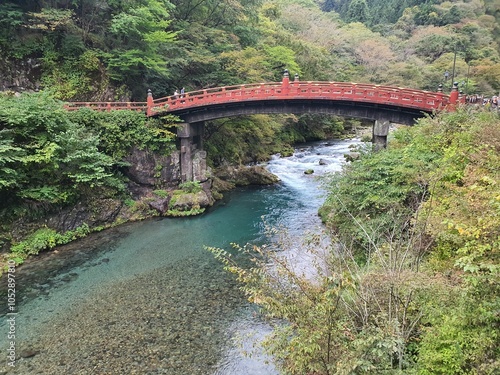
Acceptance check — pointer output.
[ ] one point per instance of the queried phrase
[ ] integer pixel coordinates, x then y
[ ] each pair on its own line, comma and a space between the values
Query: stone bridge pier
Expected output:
380, 133
193, 159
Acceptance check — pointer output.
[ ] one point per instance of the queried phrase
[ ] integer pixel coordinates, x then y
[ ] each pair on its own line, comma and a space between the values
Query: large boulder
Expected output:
351, 156
160, 204
188, 204
247, 175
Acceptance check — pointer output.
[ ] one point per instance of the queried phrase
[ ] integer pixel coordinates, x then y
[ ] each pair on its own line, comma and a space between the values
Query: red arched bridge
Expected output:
383, 104
376, 102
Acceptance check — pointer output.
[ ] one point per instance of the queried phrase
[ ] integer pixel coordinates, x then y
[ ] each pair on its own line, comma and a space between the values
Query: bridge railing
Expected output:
305, 90
370, 93
107, 106
336, 91
220, 95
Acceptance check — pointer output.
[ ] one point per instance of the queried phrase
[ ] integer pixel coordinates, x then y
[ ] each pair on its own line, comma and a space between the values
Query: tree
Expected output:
55, 160
139, 38
358, 11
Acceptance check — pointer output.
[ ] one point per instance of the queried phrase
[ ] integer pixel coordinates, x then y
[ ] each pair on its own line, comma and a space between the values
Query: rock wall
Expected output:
20, 75
154, 170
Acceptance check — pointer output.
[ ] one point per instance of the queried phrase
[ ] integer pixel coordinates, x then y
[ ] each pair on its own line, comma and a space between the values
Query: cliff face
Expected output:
153, 170
20, 75
26, 75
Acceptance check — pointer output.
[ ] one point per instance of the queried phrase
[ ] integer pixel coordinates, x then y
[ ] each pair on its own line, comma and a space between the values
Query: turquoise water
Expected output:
147, 298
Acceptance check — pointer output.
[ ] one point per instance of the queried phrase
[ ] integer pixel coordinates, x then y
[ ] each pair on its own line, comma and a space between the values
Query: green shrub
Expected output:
161, 193
190, 187
46, 239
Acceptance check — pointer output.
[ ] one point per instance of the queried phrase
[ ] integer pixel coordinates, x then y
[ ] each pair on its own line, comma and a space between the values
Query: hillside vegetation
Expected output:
411, 284
110, 49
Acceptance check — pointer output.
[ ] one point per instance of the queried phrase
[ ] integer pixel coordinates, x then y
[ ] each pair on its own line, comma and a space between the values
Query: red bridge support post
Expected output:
285, 83
149, 103
454, 95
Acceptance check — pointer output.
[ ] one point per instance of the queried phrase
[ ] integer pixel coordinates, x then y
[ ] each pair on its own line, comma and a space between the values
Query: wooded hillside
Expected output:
116, 49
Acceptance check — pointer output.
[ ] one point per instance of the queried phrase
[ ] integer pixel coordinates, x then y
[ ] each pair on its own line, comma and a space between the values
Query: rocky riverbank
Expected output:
96, 213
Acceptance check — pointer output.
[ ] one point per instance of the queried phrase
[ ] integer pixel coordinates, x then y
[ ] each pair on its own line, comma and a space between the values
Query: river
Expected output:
147, 298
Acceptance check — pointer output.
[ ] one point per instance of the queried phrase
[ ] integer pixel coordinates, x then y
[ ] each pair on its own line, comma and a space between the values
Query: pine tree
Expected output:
358, 11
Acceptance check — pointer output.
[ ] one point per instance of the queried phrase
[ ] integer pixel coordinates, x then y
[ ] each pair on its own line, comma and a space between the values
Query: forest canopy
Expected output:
112, 50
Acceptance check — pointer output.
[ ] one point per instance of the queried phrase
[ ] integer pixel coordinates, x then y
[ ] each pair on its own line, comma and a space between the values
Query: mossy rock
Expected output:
187, 204
192, 212
243, 176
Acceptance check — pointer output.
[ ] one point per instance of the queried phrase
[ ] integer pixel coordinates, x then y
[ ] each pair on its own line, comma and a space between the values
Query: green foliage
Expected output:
357, 11
253, 138
379, 190
55, 160
9, 155
11, 18
190, 187
119, 131
450, 164
46, 239
161, 193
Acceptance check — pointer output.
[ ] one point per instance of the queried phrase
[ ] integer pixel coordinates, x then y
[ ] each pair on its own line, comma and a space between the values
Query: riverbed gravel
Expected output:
142, 325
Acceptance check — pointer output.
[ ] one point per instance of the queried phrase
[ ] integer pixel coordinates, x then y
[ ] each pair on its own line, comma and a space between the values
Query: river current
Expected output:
147, 298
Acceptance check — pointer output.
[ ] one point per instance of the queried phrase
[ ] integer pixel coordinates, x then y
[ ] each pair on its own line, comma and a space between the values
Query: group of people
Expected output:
176, 93
489, 103
492, 103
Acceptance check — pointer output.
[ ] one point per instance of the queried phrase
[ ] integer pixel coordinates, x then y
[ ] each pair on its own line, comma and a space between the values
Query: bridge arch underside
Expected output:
350, 109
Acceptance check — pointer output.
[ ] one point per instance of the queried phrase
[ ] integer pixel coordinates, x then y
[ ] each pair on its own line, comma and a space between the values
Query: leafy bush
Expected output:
161, 193
46, 239
190, 187
54, 158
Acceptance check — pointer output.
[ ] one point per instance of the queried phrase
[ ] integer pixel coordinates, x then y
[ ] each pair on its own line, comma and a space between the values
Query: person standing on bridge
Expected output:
182, 95
176, 94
